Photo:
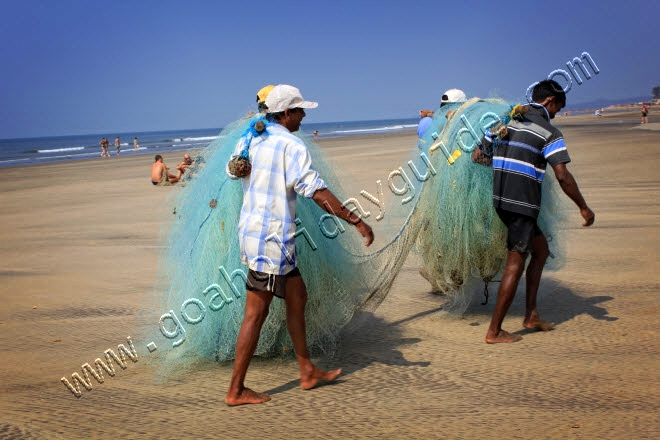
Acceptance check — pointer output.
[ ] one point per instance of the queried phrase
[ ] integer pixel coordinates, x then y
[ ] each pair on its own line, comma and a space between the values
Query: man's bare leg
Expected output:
256, 311
515, 263
296, 298
540, 253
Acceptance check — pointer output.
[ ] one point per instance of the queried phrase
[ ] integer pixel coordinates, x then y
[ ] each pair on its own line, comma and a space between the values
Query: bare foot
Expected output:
536, 323
310, 381
245, 397
503, 337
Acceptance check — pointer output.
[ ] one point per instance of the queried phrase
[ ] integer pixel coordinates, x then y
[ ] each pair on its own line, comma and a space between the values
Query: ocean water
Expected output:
25, 151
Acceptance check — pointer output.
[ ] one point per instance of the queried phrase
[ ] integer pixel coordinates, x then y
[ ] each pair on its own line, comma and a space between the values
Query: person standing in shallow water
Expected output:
519, 158
645, 113
105, 144
281, 168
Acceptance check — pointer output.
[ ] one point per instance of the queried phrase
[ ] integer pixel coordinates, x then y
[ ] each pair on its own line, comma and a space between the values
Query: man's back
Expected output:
157, 170
519, 161
281, 169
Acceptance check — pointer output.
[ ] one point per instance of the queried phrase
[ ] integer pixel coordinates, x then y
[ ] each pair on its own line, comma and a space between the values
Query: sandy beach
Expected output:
80, 247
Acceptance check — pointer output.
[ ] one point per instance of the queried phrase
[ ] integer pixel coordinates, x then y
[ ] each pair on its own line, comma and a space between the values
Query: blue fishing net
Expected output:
438, 202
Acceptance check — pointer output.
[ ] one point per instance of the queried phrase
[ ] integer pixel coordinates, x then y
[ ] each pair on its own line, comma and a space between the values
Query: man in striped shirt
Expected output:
519, 160
281, 170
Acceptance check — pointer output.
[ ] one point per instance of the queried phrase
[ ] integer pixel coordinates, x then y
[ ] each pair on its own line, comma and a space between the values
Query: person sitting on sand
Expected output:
519, 160
183, 166
189, 166
160, 174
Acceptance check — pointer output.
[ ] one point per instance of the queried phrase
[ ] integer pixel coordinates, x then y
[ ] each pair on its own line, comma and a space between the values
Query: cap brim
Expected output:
308, 104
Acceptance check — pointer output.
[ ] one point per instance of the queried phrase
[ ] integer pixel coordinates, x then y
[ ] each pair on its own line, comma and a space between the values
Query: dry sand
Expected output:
79, 246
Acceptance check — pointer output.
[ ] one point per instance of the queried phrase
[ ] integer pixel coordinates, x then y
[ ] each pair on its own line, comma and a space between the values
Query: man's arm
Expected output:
329, 203
479, 157
570, 187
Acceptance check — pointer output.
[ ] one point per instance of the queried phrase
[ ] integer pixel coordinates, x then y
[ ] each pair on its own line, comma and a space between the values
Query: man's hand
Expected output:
366, 232
479, 157
588, 216
499, 130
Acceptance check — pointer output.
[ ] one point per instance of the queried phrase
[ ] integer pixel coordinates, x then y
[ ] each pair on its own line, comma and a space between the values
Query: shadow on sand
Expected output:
366, 340
369, 339
556, 303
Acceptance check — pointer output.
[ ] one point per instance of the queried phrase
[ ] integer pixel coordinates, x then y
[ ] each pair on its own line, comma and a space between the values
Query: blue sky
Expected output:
79, 67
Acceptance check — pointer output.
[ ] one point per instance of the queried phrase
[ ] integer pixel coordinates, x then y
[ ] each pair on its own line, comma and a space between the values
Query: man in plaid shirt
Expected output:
281, 170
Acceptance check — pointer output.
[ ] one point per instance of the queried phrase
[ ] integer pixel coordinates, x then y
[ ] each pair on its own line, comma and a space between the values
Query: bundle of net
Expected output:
462, 241
199, 294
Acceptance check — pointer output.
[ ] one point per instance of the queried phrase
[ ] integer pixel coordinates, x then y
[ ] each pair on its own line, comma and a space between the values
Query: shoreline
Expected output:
27, 151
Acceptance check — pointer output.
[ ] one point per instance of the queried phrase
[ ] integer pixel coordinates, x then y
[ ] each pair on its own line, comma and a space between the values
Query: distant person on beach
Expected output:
519, 161
160, 174
281, 168
645, 112
135, 144
426, 117
451, 96
104, 147
316, 134
117, 145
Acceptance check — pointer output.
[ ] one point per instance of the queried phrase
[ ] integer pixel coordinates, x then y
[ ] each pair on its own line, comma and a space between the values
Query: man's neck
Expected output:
539, 105
284, 126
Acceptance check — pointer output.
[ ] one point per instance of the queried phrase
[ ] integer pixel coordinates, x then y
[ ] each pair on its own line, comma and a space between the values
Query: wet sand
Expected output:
79, 245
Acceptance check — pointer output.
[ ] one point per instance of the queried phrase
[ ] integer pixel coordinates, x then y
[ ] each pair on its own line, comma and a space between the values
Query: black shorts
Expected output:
522, 230
268, 282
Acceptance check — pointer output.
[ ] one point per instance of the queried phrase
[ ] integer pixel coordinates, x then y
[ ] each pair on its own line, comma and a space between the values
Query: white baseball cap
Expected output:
284, 97
453, 95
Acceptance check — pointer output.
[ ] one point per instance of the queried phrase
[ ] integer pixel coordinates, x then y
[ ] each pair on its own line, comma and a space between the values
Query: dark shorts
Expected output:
522, 230
267, 282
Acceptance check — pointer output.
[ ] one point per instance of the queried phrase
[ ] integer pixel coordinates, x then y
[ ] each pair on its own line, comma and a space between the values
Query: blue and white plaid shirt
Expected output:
281, 169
